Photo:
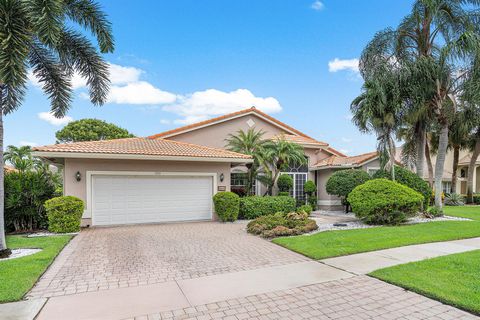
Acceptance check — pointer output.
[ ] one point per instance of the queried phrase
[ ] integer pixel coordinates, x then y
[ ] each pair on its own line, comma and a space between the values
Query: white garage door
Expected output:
118, 199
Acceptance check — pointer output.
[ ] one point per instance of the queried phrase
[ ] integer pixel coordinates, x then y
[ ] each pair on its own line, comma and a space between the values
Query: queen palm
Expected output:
20, 157
250, 143
276, 156
38, 36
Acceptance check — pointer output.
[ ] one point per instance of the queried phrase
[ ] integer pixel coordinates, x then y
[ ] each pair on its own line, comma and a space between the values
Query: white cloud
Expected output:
346, 140
50, 118
318, 5
343, 64
165, 121
201, 105
140, 92
27, 143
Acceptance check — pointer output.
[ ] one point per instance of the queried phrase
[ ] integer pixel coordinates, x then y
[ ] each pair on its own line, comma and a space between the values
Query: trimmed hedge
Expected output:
381, 201
256, 206
227, 206
409, 179
342, 182
476, 198
64, 214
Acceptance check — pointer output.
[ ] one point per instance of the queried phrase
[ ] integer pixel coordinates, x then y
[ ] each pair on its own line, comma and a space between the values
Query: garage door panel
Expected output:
126, 199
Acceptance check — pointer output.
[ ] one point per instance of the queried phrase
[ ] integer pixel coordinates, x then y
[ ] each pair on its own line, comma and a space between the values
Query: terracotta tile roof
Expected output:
143, 146
335, 151
336, 161
8, 168
226, 117
301, 140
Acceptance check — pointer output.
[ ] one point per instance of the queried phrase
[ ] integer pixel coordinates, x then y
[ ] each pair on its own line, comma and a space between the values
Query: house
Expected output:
172, 176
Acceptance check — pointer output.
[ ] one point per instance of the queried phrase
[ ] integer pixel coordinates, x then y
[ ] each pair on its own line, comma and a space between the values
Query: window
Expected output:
372, 171
238, 183
299, 174
463, 173
446, 187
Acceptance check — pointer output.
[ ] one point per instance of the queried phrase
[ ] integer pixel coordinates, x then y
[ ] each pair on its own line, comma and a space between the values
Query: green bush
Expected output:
310, 190
409, 179
454, 199
281, 224
305, 208
476, 198
381, 201
64, 214
25, 194
342, 182
434, 212
227, 205
284, 194
285, 183
256, 206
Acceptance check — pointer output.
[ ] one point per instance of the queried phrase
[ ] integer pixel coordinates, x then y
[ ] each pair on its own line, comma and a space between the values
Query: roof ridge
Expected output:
226, 116
199, 145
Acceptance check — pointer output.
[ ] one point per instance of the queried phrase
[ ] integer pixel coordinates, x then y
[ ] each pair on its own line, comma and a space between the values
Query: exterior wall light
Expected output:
222, 176
78, 176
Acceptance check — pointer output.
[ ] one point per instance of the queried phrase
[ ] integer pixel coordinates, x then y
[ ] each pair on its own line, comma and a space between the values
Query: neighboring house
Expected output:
8, 168
172, 176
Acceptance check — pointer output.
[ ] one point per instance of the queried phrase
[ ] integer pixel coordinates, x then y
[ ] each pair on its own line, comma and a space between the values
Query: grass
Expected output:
452, 279
338, 243
17, 276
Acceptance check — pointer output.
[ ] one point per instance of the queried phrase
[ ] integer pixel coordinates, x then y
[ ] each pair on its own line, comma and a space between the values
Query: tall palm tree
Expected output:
435, 42
38, 36
276, 156
250, 143
377, 110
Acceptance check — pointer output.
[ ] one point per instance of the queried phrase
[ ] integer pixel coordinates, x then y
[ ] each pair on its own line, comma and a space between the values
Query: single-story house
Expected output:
172, 176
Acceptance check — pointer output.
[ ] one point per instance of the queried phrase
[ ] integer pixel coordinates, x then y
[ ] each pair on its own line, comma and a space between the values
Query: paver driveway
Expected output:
108, 258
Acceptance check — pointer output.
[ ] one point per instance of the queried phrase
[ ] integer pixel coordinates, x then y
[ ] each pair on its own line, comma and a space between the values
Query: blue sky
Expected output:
181, 61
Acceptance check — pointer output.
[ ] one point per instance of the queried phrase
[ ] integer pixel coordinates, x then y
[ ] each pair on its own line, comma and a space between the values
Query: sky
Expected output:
178, 62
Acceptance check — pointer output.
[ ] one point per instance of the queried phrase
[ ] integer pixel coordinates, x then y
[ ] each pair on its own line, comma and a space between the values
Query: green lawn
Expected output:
338, 243
17, 276
452, 279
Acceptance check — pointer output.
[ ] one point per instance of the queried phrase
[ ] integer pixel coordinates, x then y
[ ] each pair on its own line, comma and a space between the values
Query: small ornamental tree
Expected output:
342, 182
284, 183
90, 130
310, 190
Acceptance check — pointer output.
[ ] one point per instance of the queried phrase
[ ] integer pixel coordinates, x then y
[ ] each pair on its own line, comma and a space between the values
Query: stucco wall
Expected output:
79, 189
324, 199
215, 135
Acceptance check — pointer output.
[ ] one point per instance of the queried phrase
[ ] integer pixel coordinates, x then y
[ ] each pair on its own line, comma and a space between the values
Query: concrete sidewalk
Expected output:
364, 263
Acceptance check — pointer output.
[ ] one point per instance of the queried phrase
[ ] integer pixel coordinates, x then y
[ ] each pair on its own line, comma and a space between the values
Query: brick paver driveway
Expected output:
107, 258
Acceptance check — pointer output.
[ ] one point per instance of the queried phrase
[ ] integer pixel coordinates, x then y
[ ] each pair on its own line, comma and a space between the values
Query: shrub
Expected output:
476, 198
409, 179
433, 212
454, 199
284, 183
280, 224
227, 205
284, 194
381, 201
342, 182
310, 190
25, 195
305, 208
64, 214
256, 206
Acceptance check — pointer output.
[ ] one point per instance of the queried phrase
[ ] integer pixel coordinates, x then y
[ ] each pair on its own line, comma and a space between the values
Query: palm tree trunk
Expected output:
392, 157
471, 168
439, 164
456, 156
3, 243
419, 162
429, 163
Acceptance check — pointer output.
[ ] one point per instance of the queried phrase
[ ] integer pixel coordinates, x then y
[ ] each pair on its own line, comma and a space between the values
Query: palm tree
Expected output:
20, 157
36, 36
250, 143
276, 156
435, 42
377, 110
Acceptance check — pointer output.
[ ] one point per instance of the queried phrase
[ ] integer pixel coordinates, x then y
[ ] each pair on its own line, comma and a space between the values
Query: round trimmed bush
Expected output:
305, 208
409, 179
284, 183
381, 201
227, 205
64, 214
342, 182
